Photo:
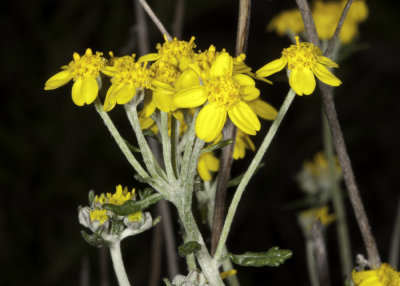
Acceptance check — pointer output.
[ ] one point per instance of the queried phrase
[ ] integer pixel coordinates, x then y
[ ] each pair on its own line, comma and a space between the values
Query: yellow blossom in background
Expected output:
127, 75
303, 60
242, 143
99, 215
85, 72
326, 16
385, 275
318, 167
287, 21
120, 196
225, 94
207, 163
308, 217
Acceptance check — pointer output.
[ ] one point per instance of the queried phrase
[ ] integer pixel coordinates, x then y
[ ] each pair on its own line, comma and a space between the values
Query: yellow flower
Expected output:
127, 75
99, 215
304, 60
319, 166
308, 217
207, 162
289, 20
242, 143
326, 16
85, 72
385, 275
225, 94
120, 196
137, 216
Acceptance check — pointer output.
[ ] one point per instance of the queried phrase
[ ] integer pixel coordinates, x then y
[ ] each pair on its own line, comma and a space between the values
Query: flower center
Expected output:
137, 216
301, 55
223, 90
165, 72
118, 198
130, 72
99, 215
87, 65
175, 48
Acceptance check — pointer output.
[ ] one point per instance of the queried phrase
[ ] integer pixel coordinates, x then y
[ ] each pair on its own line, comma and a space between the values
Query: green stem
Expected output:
116, 257
119, 140
148, 157
338, 203
175, 125
311, 263
190, 137
250, 171
166, 144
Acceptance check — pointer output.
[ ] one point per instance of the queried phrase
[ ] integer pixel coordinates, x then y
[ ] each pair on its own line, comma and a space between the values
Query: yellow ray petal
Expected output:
302, 81
212, 162
163, 101
204, 173
57, 80
243, 79
125, 94
272, 67
327, 62
244, 118
84, 90
210, 121
190, 97
324, 75
149, 57
249, 92
188, 78
223, 65
110, 101
263, 109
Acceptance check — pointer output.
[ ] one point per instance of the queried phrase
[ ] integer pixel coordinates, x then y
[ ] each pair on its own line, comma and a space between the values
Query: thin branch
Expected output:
142, 29
177, 26
395, 240
333, 41
320, 254
156, 253
156, 21
229, 133
340, 146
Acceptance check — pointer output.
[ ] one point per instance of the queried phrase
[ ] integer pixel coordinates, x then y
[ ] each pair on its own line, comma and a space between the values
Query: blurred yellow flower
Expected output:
287, 21
310, 216
207, 163
85, 72
385, 275
304, 60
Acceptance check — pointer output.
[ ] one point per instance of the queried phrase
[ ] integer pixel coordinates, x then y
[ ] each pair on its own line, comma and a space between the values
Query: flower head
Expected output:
85, 72
225, 94
127, 75
287, 21
385, 275
303, 61
120, 196
242, 143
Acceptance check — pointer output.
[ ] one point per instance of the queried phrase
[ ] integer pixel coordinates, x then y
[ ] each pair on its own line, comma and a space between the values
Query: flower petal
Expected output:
212, 162
244, 118
163, 101
149, 106
149, 57
324, 75
110, 101
188, 78
222, 65
263, 109
57, 80
84, 90
272, 67
327, 62
125, 94
210, 121
204, 173
249, 92
302, 81
243, 79
190, 97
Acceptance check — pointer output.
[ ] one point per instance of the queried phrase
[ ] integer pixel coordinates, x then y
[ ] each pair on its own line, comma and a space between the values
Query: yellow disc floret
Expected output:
301, 55
223, 90
99, 215
120, 196
87, 65
137, 216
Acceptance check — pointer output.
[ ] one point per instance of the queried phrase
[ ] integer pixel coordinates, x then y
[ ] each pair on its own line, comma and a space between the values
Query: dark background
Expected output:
53, 152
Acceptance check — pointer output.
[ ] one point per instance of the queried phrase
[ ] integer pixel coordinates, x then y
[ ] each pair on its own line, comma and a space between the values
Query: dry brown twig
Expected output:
337, 134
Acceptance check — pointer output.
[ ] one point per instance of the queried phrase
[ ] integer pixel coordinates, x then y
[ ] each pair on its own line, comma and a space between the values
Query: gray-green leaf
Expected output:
131, 207
273, 257
93, 239
219, 145
189, 248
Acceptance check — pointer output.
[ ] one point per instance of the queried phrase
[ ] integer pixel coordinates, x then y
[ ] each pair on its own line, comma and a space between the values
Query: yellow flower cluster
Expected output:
326, 16
177, 78
385, 275
303, 61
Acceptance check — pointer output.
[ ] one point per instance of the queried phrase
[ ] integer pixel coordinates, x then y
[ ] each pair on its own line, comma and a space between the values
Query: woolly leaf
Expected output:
188, 248
219, 145
131, 207
273, 257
